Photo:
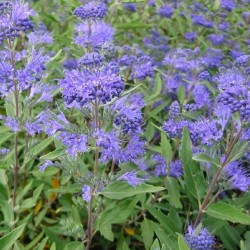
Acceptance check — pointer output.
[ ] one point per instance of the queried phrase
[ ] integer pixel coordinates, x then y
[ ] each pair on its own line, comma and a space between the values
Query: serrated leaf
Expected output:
8, 240
106, 232
224, 211
122, 190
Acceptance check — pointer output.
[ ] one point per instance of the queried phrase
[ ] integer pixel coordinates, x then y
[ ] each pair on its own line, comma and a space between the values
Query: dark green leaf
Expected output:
224, 211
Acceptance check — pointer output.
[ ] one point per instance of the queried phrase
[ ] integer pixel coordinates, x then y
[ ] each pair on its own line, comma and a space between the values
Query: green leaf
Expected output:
181, 93
166, 147
4, 137
55, 56
165, 221
229, 235
157, 88
172, 187
224, 211
53, 155
182, 244
239, 149
73, 188
132, 25
7, 210
76, 245
122, 190
147, 233
31, 202
106, 232
24, 191
53, 247
34, 241
41, 146
53, 237
114, 215
216, 4
155, 245
170, 242
8, 240
242, 246
194, 179
207, 158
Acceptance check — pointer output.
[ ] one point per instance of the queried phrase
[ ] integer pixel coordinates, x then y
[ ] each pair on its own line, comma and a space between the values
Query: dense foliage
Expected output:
125, 124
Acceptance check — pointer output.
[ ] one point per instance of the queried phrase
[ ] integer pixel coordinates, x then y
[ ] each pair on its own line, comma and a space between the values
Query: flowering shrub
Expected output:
124, 124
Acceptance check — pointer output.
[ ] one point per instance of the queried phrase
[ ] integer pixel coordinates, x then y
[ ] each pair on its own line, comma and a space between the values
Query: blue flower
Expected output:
100, 34
237, 176
92, 10
86, 85
86, 193
130, 6
127, 113
199, 239
174, 110
190, 36
12, 123
160, 165
216, 39
45, 165
228, 5
175, 169
132, 178
165, 11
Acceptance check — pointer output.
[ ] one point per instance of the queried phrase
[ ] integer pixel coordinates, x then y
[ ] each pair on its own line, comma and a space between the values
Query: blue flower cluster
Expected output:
199, 239
14, 19
92, 81
92, 10
234, 90
174, 110
237, 176
127, 113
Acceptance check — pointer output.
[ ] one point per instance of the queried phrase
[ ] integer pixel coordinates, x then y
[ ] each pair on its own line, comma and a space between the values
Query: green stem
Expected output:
206, 202
90, 207
16, 95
